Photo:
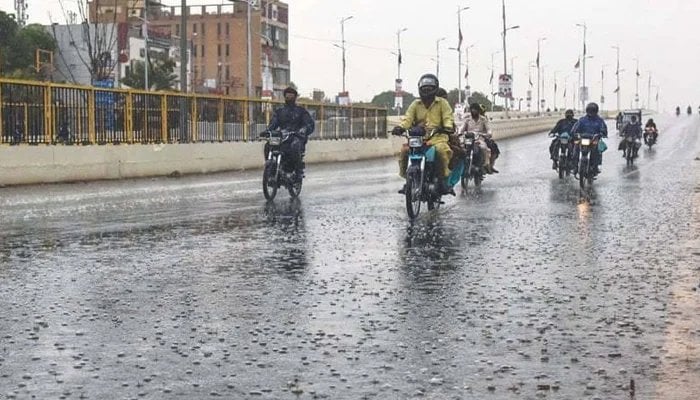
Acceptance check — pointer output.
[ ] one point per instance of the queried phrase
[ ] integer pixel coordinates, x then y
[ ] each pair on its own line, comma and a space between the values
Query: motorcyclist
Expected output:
589, 126
650, 128
429, 116
294, 118
479, 123
563, 125
690, 110
632, 129
618, 121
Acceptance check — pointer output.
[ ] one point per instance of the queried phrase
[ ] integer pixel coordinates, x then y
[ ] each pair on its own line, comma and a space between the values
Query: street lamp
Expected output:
466, 74
617, 74
636, 91
342, 34
437, 59
493, 70
539, 85
459, 53
398, 45
602, 85
584, 95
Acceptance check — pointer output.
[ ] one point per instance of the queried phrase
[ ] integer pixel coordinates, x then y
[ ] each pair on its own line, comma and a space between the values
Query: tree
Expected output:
160, 74
386, 99
478, 97
18, 47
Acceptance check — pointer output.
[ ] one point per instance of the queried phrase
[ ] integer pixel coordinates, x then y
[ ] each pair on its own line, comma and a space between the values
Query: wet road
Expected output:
195, 288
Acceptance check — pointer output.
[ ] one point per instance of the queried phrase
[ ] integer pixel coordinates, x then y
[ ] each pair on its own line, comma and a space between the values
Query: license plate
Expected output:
585, 142
468, 142
564, 141
415, 142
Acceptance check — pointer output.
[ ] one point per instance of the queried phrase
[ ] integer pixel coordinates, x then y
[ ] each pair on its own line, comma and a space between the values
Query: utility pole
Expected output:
617, 73
21, 12
636, 91
505, 56
398, 46
437, 60
538, 73
249, 56
584, 95
459, 53
342, 45
649, 93
183, 48
555, 90
147, 64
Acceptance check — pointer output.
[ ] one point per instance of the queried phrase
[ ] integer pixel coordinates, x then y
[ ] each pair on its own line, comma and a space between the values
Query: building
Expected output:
217, 41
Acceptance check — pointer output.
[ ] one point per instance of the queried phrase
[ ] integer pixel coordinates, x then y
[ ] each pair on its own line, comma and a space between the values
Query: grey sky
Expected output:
660, 32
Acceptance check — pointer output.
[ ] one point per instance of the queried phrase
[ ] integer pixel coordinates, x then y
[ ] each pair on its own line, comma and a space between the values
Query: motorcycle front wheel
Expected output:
413, 193
270, 180
583, 173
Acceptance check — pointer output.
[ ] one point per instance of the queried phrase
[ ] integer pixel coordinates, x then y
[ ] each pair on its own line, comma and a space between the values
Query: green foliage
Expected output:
386, 99
18, 47
160, 74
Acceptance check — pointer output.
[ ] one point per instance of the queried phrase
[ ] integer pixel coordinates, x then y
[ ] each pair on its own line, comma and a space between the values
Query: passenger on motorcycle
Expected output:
650, 128
477, 122
426, 116
589, 126
633, 129
294, 118
563, 125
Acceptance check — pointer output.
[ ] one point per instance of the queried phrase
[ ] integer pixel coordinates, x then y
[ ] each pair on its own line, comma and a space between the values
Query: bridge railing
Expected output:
49, 113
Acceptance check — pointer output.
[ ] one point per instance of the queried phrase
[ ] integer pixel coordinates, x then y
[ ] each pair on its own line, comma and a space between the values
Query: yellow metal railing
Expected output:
49, 113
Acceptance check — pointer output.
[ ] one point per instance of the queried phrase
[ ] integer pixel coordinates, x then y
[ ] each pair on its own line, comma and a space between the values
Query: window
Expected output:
227, 50
203, 51
228, 73
227, 29
194, 51
177, 29
218, 28
202, 29
218, 50
194, 28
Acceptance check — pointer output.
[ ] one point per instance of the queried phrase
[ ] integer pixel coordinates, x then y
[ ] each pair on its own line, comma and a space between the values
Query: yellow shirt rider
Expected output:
434, 115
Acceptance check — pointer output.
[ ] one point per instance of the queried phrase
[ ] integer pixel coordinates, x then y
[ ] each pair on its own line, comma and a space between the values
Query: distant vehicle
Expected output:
678, 111
690, 110
627, 118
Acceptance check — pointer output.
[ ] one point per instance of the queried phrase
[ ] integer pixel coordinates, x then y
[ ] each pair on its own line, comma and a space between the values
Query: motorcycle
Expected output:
690, 110
565, 156
472, 169
279, 170
422, 178
678, 111
650, 135
632, 144
586, 171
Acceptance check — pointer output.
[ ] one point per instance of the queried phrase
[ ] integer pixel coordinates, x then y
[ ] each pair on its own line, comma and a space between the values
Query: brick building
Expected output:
217, 41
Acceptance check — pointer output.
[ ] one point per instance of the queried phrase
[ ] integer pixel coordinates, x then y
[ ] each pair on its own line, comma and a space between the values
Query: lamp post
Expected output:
493, 72
539, 41
602, 85
459, 53
617, 74
657, 97
398, 46
649, 93
636, 90
584, 96
342, 34
437, 59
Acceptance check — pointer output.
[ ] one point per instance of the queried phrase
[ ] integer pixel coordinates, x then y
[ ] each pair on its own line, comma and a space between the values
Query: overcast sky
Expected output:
663, 34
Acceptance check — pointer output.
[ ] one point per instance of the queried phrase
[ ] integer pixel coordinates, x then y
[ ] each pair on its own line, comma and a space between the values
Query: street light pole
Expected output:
617, 73
493, 70
602, 85
649, 93
539, 60
342, 38
183, 48
437, 60
398, 44
459, 53
466, 73
636, 91
583, 85
145, 38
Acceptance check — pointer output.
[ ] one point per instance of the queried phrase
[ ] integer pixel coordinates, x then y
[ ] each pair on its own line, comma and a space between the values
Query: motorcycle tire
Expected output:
269, 181
413, 193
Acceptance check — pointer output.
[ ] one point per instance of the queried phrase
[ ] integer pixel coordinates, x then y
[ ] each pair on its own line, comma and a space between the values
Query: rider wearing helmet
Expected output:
650, 129
295, 118
563, 125
589, 126
633, 129
429, 116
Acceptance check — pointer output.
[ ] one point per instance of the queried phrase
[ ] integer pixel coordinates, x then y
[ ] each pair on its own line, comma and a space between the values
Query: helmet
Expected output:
441, 93
592, 109
290, 90
475, 107
569, 113
428, 85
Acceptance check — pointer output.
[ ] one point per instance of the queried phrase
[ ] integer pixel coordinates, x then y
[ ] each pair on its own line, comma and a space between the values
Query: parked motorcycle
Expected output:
279, 168
564, 154
586, 170
422, 177
472, 168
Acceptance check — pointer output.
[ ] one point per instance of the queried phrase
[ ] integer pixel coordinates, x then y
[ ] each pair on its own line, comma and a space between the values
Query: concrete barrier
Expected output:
25, 164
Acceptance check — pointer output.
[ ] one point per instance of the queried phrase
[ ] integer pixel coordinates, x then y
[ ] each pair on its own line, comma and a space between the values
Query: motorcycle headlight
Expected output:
468, 142
415, 142
585, 142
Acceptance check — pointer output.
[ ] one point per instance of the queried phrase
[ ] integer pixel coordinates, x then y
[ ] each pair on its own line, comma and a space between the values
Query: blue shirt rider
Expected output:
587, 127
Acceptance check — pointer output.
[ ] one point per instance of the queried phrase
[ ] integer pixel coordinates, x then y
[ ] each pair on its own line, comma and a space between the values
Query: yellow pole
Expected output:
164, 118
321, 119
48, 114
26, 121
91, 116
128, 118
2, 120
221, 120
194, 119
246, 121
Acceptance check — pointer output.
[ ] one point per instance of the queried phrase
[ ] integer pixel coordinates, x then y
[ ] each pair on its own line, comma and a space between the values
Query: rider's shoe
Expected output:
555, 165
494, 170
402, 190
